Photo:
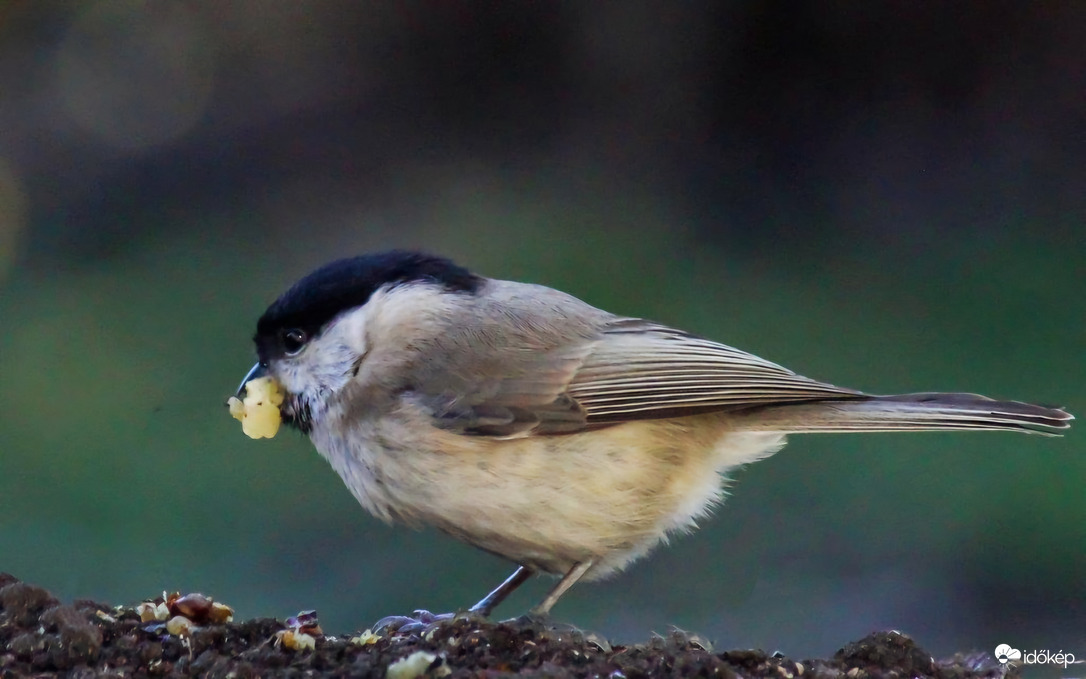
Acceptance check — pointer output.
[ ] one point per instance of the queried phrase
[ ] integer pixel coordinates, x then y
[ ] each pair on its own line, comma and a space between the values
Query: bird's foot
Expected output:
419, 623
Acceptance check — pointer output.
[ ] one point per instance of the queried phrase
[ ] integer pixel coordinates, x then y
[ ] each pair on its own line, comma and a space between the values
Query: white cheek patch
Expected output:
296, 376
327, 363
377, 337
386, 336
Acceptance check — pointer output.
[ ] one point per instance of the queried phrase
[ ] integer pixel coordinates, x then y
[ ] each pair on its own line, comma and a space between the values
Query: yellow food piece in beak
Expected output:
259, 412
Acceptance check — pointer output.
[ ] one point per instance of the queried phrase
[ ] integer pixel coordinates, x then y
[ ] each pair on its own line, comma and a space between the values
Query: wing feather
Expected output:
539, 362
643, 370
544, 363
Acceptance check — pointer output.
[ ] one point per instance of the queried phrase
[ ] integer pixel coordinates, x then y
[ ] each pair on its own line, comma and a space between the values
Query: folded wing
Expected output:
643, 370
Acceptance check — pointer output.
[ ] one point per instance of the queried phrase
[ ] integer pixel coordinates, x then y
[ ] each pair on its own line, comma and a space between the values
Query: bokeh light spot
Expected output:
134, 74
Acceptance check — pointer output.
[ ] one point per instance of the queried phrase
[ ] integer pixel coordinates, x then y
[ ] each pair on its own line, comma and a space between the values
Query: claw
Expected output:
418, 623
424, 616
392, 623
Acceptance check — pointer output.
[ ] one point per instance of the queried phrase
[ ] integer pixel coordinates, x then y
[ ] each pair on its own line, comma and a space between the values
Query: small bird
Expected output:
532, 425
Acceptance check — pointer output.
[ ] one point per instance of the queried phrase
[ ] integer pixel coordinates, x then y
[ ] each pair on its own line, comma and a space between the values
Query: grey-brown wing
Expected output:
510, 393
643, 370
505, 371
525, 359
598, 370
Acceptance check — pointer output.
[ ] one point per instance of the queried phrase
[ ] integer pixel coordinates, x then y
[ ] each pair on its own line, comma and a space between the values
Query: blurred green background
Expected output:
888, 197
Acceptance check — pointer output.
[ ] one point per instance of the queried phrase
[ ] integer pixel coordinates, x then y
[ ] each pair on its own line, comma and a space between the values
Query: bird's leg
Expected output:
567, 581
420, 620
490, 601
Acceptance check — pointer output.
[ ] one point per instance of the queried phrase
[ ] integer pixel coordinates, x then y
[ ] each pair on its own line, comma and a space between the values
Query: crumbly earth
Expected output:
41, 636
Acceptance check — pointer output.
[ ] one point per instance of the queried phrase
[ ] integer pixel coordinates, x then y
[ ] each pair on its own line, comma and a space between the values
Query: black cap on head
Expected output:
347, 283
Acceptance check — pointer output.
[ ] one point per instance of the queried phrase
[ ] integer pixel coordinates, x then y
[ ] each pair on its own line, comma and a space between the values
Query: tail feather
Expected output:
908, 412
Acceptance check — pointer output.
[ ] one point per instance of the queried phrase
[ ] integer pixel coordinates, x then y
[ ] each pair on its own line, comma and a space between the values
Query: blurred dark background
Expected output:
888, 196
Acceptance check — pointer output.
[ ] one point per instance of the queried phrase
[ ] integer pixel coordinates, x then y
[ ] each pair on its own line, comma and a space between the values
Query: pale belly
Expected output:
608, 495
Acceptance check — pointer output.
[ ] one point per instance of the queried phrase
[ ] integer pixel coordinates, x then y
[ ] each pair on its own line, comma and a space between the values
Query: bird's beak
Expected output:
259, 370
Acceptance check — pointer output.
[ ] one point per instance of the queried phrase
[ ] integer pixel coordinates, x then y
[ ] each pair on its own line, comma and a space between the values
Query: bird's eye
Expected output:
293, 340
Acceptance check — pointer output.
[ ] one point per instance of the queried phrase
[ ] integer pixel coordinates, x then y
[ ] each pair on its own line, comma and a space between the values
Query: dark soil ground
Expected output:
39, 636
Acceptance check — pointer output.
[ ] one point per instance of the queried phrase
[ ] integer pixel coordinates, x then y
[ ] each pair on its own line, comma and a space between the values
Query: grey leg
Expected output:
567, 581
490, 601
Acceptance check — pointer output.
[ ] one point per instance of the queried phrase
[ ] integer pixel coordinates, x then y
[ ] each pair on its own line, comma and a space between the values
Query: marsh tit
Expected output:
532, 425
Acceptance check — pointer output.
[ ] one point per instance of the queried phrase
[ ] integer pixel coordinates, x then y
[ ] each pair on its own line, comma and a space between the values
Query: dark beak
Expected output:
259, 370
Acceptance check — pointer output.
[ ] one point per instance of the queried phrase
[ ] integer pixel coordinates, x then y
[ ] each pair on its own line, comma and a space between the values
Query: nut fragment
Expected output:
220, 613
179, 626
303, 620
301, 633
295, 641
418, 664
365, 638
195, 607
149, 611
259, 411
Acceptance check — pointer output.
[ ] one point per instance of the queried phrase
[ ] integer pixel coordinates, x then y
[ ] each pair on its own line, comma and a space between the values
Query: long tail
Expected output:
908, 412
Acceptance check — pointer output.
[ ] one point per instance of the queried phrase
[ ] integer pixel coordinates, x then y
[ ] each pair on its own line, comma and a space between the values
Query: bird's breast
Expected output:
546, 501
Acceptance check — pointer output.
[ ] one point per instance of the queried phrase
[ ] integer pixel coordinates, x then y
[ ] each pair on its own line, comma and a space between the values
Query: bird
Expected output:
519, 419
